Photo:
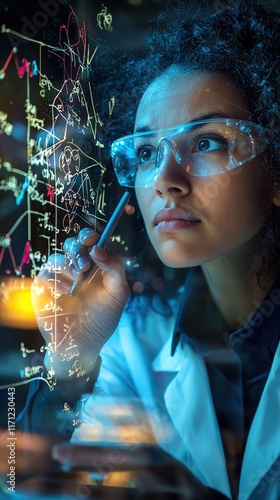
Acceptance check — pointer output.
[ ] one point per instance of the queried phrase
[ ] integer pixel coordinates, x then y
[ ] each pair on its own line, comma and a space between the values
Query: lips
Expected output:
169, 215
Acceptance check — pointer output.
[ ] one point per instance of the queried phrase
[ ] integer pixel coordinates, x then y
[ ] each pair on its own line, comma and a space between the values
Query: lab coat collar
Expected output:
263, 443
165, 362
189, 402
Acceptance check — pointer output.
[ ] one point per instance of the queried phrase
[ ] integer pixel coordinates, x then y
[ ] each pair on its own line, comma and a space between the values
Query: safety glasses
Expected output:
203, 148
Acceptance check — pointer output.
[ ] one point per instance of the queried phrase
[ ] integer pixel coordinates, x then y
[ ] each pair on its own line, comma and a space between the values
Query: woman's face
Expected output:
193, 220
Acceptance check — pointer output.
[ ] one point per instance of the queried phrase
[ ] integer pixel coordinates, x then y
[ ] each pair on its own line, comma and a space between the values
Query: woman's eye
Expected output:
208, 144
145, 154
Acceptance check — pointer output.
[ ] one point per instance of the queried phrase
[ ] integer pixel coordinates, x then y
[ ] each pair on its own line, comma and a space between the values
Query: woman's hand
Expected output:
153, 470
76, 328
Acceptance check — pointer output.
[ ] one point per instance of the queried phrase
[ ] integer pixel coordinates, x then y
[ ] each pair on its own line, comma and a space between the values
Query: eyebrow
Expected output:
142, 129
208, 116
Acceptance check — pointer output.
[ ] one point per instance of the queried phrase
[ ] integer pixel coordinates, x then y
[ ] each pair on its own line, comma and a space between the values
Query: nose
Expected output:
170, 177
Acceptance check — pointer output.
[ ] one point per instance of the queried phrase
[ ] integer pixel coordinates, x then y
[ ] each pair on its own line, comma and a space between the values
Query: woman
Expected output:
204, 162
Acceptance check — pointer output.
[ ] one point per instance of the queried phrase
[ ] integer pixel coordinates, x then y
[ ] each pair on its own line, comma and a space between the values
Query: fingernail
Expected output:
75, 271
82, 262
99, 254
86, 232
65, 287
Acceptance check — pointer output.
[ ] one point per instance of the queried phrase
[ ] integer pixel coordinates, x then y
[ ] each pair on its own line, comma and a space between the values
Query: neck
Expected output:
233, 284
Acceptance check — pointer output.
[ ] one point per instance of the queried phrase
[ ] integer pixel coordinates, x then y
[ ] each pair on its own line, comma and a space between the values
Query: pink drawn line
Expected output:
25, 258
3, 70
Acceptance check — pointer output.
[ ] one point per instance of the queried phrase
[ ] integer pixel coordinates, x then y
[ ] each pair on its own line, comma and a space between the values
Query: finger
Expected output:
153, 469
32, 455
77, 254
121, 457
113, 272
63, 267
68, 244
88, 237
145, 462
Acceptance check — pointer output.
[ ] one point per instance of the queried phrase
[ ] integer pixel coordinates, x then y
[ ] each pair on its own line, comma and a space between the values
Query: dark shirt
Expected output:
44, 412
238, 363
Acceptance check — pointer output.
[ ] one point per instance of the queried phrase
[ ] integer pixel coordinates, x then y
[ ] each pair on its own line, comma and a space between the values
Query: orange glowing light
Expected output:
129, 209
16, 310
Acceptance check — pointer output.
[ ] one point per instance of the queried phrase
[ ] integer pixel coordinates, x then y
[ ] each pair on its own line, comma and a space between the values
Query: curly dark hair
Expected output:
241, 42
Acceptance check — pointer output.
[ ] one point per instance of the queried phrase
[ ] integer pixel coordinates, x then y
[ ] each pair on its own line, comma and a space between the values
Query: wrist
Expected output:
70, 367
75, 387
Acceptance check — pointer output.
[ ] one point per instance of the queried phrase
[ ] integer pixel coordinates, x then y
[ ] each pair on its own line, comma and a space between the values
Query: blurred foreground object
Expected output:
122, 424
25, 454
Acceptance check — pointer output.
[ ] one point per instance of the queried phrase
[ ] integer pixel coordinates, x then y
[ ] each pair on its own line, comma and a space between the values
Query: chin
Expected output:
175, 264
176, 257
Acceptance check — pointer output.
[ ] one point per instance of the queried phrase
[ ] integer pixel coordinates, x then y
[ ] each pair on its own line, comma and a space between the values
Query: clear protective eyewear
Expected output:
203, 148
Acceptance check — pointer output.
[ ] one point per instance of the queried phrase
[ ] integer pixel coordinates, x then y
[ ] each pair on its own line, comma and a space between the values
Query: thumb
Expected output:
112, 268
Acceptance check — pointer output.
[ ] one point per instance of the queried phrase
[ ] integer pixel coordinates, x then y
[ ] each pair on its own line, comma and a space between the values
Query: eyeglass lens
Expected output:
202, 148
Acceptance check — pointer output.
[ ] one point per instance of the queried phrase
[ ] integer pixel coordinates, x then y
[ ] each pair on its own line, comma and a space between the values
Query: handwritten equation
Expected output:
51, 167
60, 177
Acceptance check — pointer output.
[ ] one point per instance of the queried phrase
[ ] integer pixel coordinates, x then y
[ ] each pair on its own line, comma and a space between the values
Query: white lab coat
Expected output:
134, 358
